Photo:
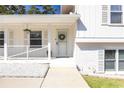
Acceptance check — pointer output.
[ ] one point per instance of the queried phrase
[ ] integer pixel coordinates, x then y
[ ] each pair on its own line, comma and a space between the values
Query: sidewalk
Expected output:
22, 75
20, 82
64, 77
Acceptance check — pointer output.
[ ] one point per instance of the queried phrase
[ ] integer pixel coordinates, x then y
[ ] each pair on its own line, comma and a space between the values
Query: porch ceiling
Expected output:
38, 18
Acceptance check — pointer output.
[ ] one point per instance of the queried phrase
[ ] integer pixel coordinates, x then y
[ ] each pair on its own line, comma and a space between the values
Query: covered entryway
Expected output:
34, 37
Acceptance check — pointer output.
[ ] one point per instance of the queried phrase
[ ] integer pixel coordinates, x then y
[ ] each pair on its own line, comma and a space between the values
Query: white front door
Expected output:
62, 43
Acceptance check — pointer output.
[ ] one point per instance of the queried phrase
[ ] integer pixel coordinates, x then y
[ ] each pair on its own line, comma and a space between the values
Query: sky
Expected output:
57, 7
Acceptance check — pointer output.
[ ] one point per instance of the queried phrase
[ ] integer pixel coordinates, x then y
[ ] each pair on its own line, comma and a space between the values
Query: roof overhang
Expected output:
99, 40
39, 18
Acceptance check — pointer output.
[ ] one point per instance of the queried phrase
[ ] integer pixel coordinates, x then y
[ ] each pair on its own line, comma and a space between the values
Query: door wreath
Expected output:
61, 36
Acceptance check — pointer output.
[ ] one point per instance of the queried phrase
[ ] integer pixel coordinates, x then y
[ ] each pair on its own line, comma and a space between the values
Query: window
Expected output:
35, 39
110, 60
116, 14
121, 60
1, 39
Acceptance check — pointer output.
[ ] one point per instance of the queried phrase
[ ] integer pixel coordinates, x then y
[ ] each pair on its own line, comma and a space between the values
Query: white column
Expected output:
5, 45
75, 51
49, 42
117, 60
76, 9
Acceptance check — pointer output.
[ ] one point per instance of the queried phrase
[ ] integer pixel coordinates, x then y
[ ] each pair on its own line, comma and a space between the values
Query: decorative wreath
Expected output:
61, 36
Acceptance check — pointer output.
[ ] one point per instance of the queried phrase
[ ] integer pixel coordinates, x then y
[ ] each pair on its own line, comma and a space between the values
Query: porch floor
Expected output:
35, 70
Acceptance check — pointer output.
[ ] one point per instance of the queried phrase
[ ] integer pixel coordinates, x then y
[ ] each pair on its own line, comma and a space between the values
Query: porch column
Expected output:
5, 45
28, 44
49, 42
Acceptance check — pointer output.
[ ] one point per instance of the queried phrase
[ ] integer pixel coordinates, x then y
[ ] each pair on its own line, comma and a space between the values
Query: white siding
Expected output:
91, 17
94, 24
10, 38
87, 59
91, 55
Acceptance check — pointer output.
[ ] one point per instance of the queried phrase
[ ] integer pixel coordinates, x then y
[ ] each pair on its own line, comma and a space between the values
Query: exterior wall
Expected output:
87, 59
91, 18
88, 55
90, 27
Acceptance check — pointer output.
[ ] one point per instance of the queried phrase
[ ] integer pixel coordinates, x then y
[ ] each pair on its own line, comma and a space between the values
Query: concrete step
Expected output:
63, 62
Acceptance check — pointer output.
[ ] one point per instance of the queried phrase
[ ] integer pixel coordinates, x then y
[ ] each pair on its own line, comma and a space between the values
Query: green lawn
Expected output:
99, 82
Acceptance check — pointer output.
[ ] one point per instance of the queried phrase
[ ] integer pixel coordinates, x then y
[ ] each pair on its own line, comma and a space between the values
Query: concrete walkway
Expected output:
58, 77
64, 77
20, 82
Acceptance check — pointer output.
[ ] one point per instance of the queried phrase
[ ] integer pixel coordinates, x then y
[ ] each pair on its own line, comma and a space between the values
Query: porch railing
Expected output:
1, 53
18, 52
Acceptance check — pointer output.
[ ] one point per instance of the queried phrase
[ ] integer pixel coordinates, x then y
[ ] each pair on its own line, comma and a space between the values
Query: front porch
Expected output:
32, 38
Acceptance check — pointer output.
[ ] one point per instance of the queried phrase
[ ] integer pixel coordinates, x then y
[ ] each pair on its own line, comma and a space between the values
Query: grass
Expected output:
100, 82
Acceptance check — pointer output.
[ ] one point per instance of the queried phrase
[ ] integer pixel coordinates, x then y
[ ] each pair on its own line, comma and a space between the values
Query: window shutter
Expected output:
45, 38
104, 14
101, 61
11, 38
25, 38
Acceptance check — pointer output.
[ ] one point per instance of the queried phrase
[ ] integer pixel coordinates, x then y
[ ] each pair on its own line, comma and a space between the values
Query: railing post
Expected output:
49, 43
5, 46
27, 49
5, 51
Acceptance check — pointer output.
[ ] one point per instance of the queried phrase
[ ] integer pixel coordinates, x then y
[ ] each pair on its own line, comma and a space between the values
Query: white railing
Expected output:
27, 52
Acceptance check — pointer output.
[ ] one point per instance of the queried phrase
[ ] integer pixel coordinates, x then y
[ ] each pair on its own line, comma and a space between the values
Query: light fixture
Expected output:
26, 29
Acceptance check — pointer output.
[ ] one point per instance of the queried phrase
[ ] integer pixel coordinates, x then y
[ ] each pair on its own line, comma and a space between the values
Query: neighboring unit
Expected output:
100, 39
